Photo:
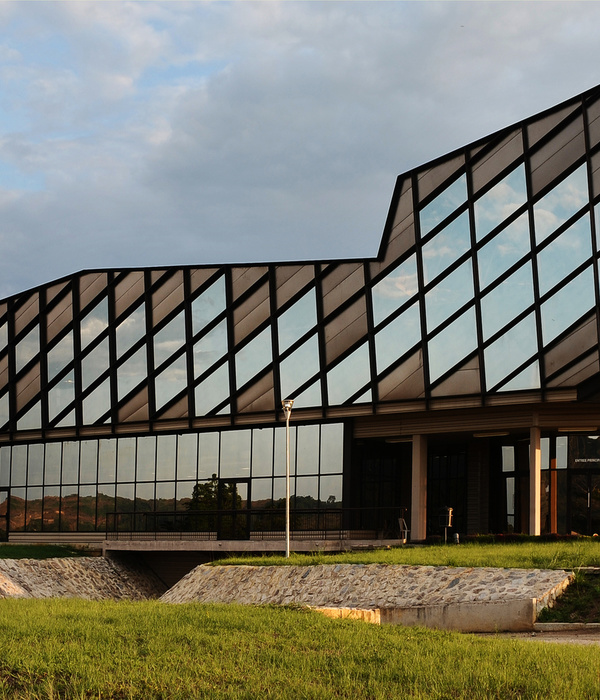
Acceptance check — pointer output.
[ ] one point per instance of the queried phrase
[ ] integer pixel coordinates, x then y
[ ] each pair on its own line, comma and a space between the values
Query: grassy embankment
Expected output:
76, 649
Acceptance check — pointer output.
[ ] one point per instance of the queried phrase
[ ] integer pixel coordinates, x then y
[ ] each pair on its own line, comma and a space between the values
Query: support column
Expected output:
418, 506
535, 482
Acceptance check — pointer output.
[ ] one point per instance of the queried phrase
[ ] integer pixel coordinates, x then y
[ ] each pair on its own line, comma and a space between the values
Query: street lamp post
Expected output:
287, 411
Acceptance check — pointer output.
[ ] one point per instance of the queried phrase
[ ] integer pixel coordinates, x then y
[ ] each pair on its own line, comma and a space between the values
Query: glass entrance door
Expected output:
585, 503
234, 509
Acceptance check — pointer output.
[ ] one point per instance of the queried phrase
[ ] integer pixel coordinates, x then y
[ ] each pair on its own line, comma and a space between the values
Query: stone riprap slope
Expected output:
370, 586
91, 578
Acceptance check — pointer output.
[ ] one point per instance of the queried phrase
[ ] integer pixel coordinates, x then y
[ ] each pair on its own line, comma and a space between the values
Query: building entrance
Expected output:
585, 503
233, 509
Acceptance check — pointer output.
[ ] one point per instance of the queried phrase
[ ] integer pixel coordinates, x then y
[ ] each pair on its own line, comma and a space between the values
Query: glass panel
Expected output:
254, 357
311, 396
184, 493
52, 461
545, 452
500, 202
210, 348
27, 348
97, 403
165, 496
308, 449
235, 453
3, 335
166, 454
61, 395
262, 452
88, 472
33, 517
107, 460
130, 330
169, 339
332, 448
131, 373
171, 381
94, 364
4, 413
562, 452
208, 305
212, 391
597, 221
146, 458
262, 492
503, 251
560, 203
51, 510
398, 337
279, 455
349, 376
87, 509
508, 458
126, 459
70, 467
125, 502
208, 455
17, 509
5, 466
32, 419
35, 467
449, 295
510, 350
567, 305
306, 492
446, 247
187, 456
331, 491
452, 345
394, 290
297, 320
299, 367
94, 323
443, 205
507, 301
564, 254
529, 378
60, 356
106, 503
144, 498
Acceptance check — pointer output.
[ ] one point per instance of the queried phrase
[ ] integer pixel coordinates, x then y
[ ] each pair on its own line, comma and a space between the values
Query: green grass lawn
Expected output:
76, 649
567, 554
40, 551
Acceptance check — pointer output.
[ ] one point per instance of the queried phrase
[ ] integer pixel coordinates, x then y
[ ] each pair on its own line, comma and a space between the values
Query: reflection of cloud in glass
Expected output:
500, 202
453, 344
395, 289
560, 203
568, 305
449, 295
508, 352
446, 247
507, 301
564, 254
443, 205
349, 376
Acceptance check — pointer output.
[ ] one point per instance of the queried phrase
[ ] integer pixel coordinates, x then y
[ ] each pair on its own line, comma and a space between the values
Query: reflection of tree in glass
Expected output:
210, 497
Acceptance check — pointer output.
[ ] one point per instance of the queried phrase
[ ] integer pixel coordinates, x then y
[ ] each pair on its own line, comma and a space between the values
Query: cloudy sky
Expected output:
158, 133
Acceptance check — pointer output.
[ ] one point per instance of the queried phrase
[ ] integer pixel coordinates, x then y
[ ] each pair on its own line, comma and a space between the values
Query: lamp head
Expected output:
287, 407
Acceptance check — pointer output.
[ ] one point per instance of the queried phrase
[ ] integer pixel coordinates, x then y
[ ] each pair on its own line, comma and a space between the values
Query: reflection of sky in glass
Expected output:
3, 335
235, 453
131, 373
210, 348
208, 305
395, 289
60, 396
349, 376
508, 246
443, 205
97, 403
170, 381
507, 301
297, 320
310, 396
331, 486
212, 391
560, 203
60, 355
94, 364
27, 348
397, 337
449, 295
500, 202
508, 352
452, 345
254, 357
529, 378
597, 219
567, 305
299, 367
94, 323
332, 448
32, 419
169, 339
564, 254
4, 409
446, 247
130, 330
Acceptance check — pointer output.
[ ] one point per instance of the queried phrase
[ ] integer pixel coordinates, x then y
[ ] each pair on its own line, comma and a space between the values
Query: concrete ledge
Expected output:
242, 546
566, 626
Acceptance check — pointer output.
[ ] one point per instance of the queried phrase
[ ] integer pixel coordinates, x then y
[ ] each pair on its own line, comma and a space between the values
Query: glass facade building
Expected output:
459, 367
